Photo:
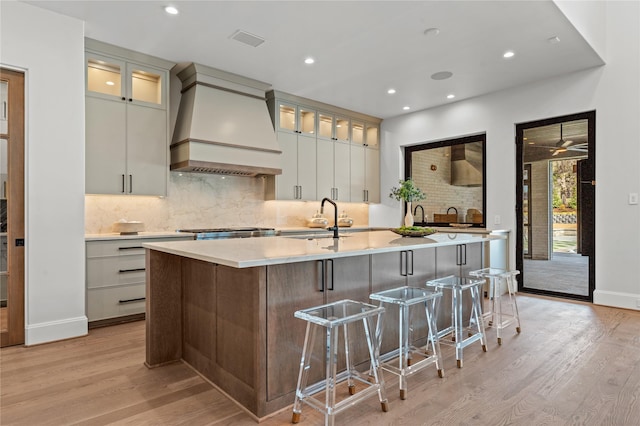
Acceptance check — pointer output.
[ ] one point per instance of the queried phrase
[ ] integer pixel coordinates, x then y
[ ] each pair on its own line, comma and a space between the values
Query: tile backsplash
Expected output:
206, 201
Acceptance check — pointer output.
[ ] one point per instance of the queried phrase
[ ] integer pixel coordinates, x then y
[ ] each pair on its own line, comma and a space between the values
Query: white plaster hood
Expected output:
223, 125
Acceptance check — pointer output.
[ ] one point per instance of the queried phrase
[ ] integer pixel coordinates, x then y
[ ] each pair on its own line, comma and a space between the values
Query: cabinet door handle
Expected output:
321, 264
137, 299
4, 189
330, 261
403, 262
122, 271
337, 194
464, 255
300, 193
130, 248
458, 255
123, 190
124, 99
411, 253
130, 184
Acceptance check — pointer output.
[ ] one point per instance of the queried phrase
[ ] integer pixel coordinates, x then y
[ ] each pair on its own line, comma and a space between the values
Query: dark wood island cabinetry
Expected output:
234, 323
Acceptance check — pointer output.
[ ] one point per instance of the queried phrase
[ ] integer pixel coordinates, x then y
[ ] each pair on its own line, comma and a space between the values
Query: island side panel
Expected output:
199, 316
163, 308
240, 335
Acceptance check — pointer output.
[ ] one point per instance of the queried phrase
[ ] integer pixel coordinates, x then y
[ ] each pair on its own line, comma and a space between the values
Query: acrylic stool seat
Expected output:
458, 286
404, 298
497, 315
331, 317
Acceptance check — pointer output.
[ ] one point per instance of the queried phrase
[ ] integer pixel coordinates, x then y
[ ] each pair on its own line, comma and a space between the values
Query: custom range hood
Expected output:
466, 164
223, 125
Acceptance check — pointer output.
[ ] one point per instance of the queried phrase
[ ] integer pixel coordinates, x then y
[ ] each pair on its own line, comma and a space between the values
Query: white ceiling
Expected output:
362, 48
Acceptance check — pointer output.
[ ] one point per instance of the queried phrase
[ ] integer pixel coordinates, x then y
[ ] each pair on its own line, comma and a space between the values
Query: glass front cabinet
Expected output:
345, 152
127, 121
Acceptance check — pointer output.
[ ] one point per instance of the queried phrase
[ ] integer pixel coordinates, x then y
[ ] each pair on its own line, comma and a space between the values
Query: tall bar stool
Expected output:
458, 285
331, 317
404, 298
497, 316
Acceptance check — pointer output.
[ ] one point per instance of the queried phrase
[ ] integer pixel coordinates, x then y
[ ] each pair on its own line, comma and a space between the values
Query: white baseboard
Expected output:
46, 332
617, 299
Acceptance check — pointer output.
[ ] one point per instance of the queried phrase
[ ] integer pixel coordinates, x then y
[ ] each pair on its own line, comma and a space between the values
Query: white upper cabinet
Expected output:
330, 151
296, 119
127, 130
371, 135
114, 79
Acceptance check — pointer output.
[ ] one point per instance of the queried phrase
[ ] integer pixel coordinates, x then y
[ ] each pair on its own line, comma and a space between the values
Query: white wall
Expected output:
50, 48
613, 91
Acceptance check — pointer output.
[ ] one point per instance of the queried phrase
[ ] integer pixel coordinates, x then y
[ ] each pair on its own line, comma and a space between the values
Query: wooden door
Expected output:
12, 309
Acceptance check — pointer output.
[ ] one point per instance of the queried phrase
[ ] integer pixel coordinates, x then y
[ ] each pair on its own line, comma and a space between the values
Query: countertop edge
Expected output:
410, 243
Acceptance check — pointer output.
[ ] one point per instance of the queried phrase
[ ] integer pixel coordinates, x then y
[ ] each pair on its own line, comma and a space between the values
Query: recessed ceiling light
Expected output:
406, 108
431, 32
309, 61
508, 54
110, 83
171, 10
451, 96
442, 75
554, 40
391, 91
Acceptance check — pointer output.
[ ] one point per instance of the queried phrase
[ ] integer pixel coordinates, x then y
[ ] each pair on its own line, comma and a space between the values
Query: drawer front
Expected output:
125, 247
111, 302
112, 271
114, 248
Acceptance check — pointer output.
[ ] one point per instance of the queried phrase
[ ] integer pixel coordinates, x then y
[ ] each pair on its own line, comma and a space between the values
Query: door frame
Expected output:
15, 207
586, 188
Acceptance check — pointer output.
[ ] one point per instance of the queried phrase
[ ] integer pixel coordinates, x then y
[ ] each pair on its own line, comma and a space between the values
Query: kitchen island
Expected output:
225, 307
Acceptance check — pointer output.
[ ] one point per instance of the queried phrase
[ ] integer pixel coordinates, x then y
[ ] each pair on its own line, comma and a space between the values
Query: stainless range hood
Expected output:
223, 125
466, 164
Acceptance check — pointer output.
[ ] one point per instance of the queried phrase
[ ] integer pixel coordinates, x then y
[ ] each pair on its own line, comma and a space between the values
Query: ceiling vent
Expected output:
247, 38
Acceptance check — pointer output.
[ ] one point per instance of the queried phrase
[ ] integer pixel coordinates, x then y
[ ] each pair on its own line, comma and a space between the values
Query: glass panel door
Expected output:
342, 129
325, 126
307, 121
146, 85
357, 132
104, 76
286, 117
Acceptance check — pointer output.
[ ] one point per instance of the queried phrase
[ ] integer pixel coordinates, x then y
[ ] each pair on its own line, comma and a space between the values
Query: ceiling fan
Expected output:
562, 145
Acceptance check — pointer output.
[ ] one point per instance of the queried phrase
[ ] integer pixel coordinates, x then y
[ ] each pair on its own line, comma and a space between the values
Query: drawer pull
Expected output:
131, 270
138, 299
130, 248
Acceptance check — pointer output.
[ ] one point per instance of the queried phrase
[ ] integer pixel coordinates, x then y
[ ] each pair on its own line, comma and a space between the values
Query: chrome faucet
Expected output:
415, 211
333, 228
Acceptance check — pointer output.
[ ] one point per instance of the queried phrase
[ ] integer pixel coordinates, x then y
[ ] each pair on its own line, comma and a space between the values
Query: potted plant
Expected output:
407, 192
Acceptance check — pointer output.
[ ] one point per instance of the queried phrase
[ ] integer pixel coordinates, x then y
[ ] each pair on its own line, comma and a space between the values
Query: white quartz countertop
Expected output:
249, 252
139, 235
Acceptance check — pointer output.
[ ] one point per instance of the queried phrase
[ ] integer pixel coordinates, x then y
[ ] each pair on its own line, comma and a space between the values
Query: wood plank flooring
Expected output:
573, 364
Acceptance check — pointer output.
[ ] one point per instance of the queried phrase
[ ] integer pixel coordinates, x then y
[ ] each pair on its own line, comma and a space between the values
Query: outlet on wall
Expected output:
633, 198
496, 219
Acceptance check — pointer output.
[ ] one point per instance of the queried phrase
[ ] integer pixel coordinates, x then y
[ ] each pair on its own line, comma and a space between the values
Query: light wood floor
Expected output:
574, 363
